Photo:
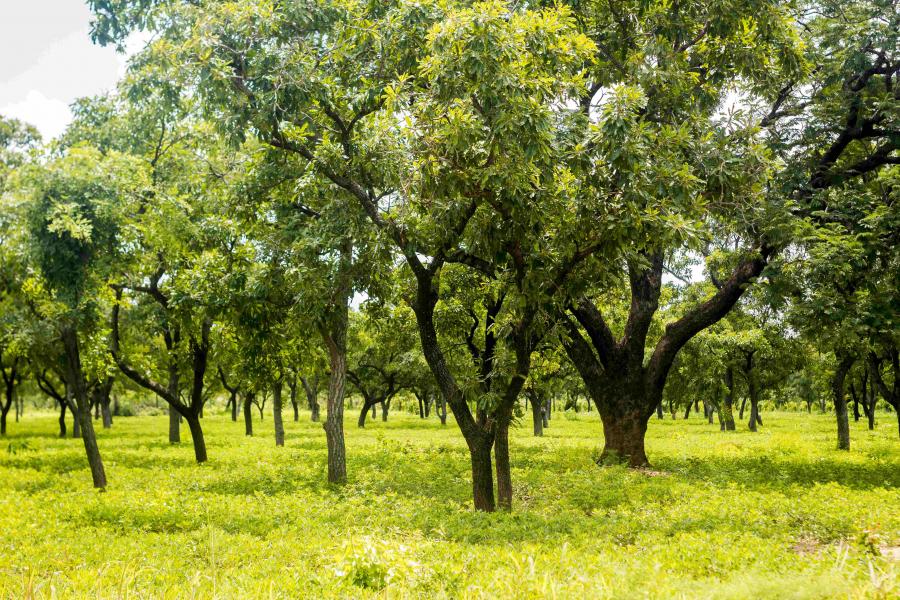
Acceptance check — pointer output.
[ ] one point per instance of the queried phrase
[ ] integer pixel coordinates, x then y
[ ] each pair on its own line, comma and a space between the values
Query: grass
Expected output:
777, 514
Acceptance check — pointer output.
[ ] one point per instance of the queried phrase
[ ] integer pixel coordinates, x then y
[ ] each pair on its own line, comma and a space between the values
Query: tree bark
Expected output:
728, 408
537, 418
62, 419
75, 375
482, 475
248, 413
197, 438
623, 439
276, 413
501, 456
335, 341
174, 426
840, 401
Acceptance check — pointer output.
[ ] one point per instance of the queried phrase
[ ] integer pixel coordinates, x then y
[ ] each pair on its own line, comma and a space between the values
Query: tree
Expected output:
74, 205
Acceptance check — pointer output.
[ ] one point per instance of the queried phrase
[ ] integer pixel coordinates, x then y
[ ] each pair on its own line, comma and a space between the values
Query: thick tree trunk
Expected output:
197, 439
482, 475
623, 439
840, 401
276, 413
248, 413
174, 426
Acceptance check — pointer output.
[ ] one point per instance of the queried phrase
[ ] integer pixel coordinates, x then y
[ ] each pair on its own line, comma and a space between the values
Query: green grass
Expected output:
778, 514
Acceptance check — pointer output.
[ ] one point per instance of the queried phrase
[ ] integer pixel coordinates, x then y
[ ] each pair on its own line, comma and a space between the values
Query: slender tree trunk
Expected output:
753, 393
537, 418
62, 419
276, 413
687, 411
421, 407
743, 407
296, 408
73, 408
545, 412
248, 413
442, 409
75, 375
234, 405
197, 438
361, 421
659, 411
728, 411
840, 401
334, 421
385, 407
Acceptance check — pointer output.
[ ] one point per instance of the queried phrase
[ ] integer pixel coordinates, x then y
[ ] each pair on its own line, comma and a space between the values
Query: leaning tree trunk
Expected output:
193, 421
75, 375
276, 413
840, 401
364, 413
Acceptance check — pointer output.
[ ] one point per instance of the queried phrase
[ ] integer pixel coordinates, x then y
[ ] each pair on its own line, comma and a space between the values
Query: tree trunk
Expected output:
623, 438
75, 375
199, 442
753, 393
361, 421
334, 421
421, 407
174, 426
276, 413
840, 402
296, 408
248, 413
385, 407
743, 407
728, 411
537, 418
442, 409
62, 419
3, 414
659, 411
234, 409
106, 413
501, 456
687, 412
482, 475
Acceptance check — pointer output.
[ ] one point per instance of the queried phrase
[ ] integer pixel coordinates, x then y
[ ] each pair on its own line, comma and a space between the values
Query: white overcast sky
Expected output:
48, 61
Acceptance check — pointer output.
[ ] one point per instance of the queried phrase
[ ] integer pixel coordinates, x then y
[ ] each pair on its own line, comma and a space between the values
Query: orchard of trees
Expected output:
481, 212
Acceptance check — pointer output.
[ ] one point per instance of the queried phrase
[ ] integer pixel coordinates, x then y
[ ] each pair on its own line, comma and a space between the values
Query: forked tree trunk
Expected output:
840, 401
276, 413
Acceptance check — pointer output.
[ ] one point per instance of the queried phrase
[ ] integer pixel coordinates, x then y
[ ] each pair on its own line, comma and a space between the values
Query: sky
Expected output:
49, 61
